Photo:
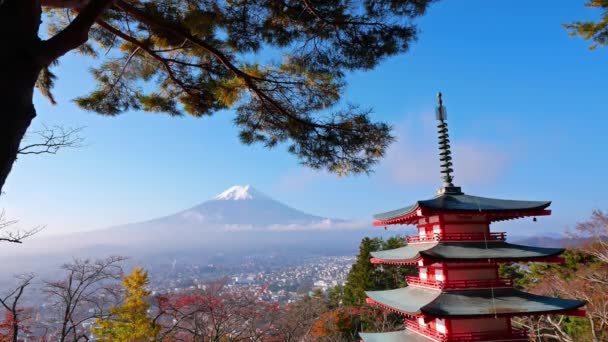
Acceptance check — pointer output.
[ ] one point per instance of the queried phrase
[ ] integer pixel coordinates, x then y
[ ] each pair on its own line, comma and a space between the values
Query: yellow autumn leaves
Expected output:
129, 322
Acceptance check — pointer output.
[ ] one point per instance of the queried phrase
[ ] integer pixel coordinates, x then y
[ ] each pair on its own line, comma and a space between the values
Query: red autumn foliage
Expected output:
217, 312
8, 324
338, 322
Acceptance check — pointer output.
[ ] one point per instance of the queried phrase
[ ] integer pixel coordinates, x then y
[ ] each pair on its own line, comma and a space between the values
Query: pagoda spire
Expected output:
445, 153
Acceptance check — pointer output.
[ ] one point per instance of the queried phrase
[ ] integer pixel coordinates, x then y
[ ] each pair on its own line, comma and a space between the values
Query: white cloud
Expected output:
326, 224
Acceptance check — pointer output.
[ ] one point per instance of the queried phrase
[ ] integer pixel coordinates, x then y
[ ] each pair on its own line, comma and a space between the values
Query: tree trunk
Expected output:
19, 69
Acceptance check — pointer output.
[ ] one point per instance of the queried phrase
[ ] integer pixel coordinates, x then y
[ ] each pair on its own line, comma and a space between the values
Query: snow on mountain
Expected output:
239, 192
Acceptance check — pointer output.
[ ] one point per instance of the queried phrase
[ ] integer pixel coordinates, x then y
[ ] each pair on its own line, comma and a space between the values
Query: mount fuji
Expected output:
237, 223
244, 208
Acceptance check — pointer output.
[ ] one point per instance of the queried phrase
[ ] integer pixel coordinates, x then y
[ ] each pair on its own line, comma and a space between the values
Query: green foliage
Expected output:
195, 57
129, 321
574, 261
513, 271
594, 31
364, 276
577, 327
335, 296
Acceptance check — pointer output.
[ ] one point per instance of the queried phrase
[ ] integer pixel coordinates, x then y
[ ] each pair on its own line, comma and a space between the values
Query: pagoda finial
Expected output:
445, 153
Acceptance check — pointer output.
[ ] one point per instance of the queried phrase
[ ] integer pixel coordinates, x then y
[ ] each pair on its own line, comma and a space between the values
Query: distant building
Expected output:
320, 285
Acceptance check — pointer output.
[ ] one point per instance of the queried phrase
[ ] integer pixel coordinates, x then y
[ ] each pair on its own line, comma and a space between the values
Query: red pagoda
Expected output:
458, 295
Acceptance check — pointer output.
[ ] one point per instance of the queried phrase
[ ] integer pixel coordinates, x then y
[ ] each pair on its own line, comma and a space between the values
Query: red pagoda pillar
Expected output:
458, 295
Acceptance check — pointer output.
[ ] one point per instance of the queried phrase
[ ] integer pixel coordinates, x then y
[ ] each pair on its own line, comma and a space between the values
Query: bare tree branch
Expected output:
83, 294
52, 139
15, 236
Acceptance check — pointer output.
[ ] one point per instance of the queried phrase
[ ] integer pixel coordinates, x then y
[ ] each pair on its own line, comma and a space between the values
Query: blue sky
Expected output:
527, 115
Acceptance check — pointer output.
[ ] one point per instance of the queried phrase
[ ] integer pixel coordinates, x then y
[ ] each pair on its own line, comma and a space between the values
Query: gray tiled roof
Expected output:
465, 202
394, 336
408, 252
409, 299
466, 251
500, 301
467, 303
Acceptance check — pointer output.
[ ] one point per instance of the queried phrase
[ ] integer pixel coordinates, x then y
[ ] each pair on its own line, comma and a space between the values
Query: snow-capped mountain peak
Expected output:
239, 192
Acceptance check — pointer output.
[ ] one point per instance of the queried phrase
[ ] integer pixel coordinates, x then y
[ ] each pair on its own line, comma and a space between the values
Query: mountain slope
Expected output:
243, 207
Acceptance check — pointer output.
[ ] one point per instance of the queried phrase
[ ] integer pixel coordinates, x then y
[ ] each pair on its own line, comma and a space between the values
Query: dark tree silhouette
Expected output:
178, 56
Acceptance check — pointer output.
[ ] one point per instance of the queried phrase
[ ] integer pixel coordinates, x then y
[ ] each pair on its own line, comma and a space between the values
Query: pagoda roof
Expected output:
459, 202
464, 251
393, 336
413, 300
409, 299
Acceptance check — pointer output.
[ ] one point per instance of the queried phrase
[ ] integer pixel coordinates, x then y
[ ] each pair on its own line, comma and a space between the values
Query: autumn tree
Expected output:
298, 318
15, 316
194, 57
583, 275
217, 313
82, 295
336, 325
597, 32
129, 321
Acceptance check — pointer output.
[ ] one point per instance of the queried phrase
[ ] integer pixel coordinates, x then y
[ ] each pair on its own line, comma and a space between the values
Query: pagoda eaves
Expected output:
464, 251
492, 209
489, 302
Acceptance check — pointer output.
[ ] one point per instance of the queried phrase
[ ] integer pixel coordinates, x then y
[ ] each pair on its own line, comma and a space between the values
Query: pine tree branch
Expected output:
148, 51
316, 13
222, 58
75, 34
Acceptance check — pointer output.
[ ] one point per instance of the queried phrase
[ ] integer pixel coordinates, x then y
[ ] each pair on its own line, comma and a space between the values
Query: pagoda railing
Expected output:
514, 334
426, 331
495, 236
460, 284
